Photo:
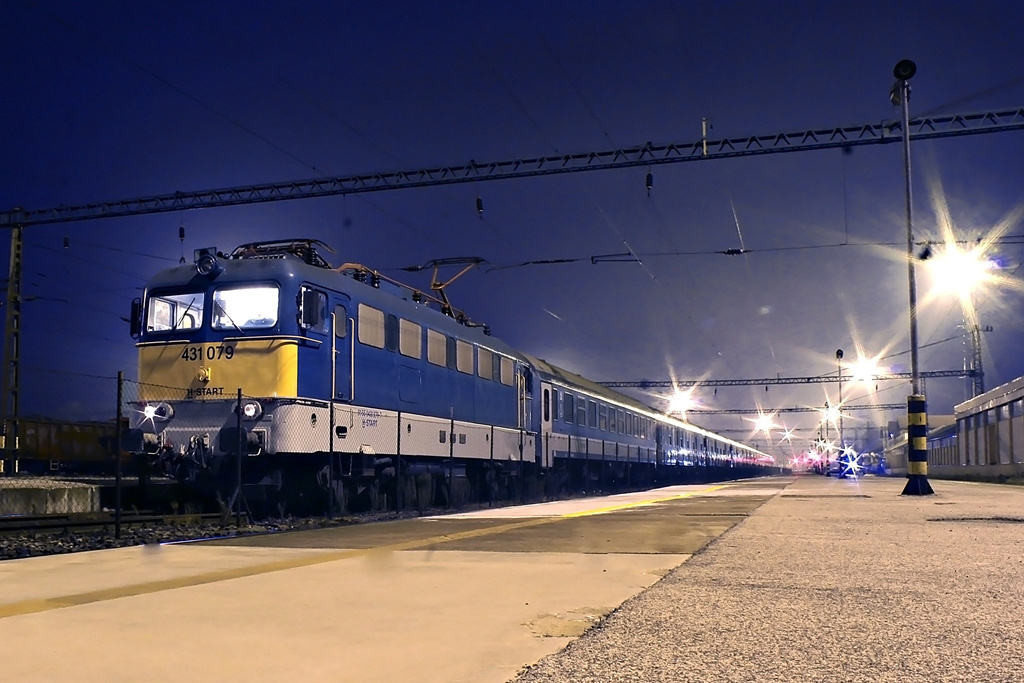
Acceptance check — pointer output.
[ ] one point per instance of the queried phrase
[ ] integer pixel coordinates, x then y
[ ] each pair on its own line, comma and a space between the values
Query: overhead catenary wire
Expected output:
630, 256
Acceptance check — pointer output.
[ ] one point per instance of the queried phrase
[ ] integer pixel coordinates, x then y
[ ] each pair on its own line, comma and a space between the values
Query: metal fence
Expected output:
306, 456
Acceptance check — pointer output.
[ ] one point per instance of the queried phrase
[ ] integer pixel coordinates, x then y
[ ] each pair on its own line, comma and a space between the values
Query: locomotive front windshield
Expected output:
167, 313
245, 308
234, 308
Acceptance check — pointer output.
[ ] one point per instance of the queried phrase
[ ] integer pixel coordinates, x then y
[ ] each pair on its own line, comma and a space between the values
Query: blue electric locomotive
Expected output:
341, 384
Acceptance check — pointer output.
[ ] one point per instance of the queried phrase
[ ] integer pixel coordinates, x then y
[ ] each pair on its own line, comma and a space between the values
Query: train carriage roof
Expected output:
556, 373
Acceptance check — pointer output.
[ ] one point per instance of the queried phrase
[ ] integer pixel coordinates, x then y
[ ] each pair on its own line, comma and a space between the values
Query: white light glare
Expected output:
830, 414
681, 401
864, 369
960, 272
765, 422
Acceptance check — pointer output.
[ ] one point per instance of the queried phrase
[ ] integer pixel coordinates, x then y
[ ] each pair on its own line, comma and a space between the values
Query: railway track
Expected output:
99, 521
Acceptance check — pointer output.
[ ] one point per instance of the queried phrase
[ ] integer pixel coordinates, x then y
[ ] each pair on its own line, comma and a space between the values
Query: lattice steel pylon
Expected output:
12, 353
977, 371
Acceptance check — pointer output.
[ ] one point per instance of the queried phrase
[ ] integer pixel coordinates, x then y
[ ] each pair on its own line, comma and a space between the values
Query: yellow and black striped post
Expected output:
917, 447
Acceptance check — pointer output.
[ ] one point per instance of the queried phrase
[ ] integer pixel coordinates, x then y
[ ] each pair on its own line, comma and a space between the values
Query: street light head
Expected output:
839, 354
904, 70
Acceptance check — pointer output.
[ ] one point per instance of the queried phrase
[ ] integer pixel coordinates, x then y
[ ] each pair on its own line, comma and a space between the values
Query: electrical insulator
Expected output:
480, 207
650, 183
67, 242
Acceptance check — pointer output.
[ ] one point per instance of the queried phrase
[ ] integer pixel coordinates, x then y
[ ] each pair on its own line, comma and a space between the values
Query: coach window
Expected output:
463, 356
621, 418
507, 372
554, 404
485, 364
371, 326
436, 348
568, 407
547, 406
410, 339
603, 418
592, 414
581, 411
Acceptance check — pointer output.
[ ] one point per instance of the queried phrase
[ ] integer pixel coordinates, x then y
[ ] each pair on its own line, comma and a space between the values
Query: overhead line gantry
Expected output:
817, 379
648, 154
793, 409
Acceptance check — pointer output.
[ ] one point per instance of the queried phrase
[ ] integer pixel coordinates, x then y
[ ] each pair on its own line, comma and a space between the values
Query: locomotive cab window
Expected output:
313, 310
245, 308
174, 312
340, 322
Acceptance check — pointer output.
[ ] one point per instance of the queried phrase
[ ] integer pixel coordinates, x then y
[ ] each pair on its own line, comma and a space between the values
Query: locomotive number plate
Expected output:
212, 352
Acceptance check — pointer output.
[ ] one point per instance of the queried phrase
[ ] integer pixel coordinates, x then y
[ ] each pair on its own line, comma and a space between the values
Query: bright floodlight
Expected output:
960, 272
681, 401
765, 422
864, 369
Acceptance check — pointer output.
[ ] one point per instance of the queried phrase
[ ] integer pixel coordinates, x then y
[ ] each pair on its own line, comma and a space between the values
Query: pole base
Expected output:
917, 485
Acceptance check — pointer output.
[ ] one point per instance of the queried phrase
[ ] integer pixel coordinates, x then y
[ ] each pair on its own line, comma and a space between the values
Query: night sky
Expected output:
117, 100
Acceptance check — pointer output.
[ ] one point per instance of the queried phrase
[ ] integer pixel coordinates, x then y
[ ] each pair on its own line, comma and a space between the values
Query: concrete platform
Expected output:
832, 580
457, 598
43, 496
812, 579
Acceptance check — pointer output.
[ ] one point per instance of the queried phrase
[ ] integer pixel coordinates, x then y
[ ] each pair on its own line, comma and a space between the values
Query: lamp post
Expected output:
826, 451
917, 408
839, 376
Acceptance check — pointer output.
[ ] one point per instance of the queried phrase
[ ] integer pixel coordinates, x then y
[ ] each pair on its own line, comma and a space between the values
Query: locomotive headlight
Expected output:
252, 410
206, 262
161, 412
